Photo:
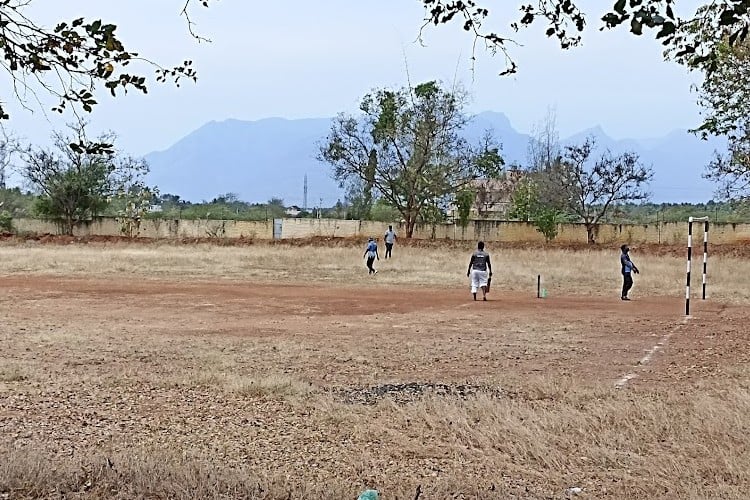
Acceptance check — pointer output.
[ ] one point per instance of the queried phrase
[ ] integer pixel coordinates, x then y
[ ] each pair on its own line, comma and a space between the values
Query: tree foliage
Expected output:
359, 199
133, 196
72, 59
690, 40
77, 56
725, 98
464, 201
407, 145
77, 178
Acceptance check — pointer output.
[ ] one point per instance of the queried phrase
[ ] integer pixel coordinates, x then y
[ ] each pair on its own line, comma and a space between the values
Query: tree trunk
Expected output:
69, 225
411, 221
590, 233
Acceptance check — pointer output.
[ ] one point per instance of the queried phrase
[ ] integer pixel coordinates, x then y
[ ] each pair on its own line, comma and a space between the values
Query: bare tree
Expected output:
8, 147
544, 148
592, 188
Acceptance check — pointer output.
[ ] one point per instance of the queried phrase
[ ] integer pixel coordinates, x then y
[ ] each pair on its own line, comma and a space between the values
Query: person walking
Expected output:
390, 239
371, 252
480, 270
627, 267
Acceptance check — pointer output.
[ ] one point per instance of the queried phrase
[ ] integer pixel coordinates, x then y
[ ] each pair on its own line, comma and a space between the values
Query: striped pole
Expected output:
689, 256
705, 256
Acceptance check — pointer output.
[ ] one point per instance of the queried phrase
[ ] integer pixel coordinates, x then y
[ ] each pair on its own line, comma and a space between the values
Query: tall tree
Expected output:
725, 98
544, 147
407, 145
593, 187
77, 177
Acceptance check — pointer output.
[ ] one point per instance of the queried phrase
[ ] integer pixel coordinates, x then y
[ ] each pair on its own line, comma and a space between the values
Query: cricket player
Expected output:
480, 269
371, 252
627, 267
390, 239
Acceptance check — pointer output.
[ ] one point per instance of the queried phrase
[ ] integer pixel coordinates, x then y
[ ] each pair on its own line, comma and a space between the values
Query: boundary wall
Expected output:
488, 230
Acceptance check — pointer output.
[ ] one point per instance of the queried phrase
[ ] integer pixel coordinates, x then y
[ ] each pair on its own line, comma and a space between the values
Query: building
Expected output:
494, 197
293, 211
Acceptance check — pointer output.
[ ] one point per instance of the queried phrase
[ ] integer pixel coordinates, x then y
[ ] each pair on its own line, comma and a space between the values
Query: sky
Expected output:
303, 59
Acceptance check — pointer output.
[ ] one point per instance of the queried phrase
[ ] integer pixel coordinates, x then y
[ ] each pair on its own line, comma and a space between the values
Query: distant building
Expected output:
494, 197
293, 211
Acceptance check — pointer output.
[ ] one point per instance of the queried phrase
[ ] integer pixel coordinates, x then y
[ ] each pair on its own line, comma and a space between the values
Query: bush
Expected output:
6, 222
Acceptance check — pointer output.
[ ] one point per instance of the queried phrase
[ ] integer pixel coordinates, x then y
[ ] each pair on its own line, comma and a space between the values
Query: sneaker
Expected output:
375, 272
624, 298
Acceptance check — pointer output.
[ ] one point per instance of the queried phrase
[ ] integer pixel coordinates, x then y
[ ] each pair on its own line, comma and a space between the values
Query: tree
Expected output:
76, 178
8, 147
725, 98
591, 189
359, 199
464, 201
544, 148
407, 145
526, 205
132, 193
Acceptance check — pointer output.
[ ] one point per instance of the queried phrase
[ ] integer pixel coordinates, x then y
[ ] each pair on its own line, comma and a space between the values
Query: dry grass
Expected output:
11, 372
584, 272
207, 414
608, 443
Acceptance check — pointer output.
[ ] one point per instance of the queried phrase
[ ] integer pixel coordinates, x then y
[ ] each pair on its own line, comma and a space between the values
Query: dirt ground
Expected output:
601, 337
96, 367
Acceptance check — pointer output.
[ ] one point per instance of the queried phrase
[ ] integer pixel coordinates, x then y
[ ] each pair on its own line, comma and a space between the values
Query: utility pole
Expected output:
304, 199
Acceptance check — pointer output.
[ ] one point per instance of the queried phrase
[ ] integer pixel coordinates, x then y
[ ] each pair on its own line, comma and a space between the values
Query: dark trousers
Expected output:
370, 261
388, 248
627, 283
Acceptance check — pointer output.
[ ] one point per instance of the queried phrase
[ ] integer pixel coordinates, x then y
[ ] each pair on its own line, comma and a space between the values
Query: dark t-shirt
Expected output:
479, 260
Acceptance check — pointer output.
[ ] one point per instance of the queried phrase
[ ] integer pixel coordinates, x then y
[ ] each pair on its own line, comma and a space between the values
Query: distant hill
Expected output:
269, 158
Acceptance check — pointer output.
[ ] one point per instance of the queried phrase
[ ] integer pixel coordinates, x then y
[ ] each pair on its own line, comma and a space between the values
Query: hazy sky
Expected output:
313, 59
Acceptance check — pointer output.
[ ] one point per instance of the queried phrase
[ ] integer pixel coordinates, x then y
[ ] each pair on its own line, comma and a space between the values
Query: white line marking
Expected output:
650, 354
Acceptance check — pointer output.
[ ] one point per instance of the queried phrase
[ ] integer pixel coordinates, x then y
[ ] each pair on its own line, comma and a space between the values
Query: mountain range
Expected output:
268, 158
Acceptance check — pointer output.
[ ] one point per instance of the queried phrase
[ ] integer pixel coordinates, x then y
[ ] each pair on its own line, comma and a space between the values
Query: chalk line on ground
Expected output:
623, 381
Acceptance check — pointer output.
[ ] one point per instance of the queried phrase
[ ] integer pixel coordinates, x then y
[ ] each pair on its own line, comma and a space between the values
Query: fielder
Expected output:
371, 252
480, 270
390, 239
627, 267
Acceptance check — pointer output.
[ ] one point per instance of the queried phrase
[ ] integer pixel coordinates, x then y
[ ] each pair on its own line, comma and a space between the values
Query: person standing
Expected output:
371, 252
480, 269
390, 239
627, 267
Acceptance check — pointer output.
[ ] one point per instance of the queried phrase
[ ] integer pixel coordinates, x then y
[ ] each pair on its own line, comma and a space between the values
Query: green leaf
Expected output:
667, 29
636, 27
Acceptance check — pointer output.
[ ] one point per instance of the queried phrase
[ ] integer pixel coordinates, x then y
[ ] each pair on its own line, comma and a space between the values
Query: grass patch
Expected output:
12, 373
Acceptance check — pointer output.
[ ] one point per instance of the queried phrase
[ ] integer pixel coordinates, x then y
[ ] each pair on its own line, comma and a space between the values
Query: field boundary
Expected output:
480, 229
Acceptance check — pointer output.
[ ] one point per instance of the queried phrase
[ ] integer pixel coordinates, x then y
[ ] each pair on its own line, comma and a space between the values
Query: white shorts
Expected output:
478, 279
